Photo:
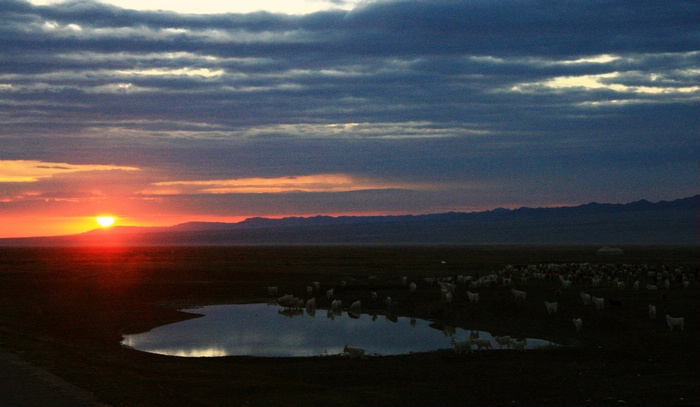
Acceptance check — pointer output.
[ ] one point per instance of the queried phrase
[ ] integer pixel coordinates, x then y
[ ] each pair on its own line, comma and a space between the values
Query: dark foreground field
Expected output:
66, 309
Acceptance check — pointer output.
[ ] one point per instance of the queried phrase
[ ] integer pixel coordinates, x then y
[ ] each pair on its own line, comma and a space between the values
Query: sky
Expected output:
163, 112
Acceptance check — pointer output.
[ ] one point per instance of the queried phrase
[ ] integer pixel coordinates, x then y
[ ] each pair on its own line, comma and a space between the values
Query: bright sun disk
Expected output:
105, 221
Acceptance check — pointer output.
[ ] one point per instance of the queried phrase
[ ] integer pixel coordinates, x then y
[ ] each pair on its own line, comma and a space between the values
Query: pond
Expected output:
270, 330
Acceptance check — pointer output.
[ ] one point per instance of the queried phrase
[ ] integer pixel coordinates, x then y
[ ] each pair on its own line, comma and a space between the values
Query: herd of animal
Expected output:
560, 277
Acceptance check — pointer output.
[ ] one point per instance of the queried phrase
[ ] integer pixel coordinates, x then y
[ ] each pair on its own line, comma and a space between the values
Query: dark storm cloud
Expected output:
487, 100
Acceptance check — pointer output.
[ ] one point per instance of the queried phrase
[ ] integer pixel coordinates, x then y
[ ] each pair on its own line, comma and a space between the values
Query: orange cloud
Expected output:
305, 183
34, 170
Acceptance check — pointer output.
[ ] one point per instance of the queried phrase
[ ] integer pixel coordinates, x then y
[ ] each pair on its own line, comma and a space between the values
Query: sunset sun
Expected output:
105, 221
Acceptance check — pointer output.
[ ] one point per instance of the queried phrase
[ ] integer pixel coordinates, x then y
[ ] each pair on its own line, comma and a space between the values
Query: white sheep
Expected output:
309, 290
272, 290
404, 280
356, 307
578, 324
461, 347
374, 296
652, 311
448, 297
311, 304
598, 302
337, 304
482, 343
673, 322
473, 297
586, 298
652, 287
519, 295
518, 345
317, 285
354, 353
412, 287
329, 294
551, 307
503, 341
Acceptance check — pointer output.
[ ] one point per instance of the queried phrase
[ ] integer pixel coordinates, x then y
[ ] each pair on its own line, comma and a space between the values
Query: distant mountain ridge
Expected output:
641, 222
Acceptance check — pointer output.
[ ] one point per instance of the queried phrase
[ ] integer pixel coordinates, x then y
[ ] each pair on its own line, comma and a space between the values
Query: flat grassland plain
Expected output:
66, 309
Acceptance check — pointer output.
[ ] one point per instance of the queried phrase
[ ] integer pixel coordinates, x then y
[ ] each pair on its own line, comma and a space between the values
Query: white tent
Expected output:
605, 250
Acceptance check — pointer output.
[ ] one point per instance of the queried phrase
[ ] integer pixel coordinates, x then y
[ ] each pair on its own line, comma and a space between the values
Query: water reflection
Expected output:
267, 330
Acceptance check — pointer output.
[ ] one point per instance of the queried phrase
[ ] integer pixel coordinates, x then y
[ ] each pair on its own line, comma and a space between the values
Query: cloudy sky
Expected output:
158, 113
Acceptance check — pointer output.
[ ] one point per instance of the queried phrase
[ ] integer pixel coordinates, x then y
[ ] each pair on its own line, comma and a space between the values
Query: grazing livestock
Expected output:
503, 341
518, 345
473, 297
329, 294
482, 343
578, 324
598, 302
311, 304
412, 287
461, 347
652, 311
356, 307
551, 307
652, 287
354, 353
272, 290
519, 295
586, 298
673, 322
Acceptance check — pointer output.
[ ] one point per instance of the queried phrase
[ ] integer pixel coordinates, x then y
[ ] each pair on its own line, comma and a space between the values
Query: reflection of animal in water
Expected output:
354, 353
290, 301
290, 312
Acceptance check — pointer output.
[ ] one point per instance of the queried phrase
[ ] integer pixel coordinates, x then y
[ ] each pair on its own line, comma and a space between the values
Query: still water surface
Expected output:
267, 330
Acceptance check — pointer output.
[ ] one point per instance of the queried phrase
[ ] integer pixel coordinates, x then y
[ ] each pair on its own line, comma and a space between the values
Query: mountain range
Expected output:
636, 223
